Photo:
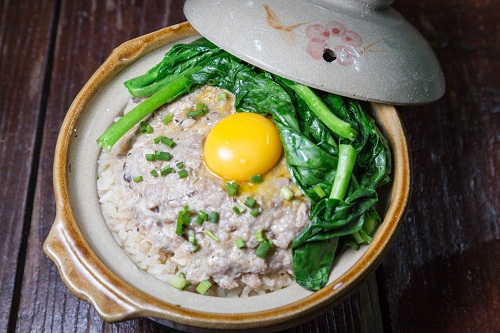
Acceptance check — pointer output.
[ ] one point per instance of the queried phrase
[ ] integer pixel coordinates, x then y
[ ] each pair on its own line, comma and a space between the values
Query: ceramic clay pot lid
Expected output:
362, 49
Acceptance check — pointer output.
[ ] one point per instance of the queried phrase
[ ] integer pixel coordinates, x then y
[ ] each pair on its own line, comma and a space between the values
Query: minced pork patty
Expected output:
154, 202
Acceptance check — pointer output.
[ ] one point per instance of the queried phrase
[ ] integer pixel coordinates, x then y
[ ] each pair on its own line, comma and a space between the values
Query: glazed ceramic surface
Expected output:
358, 48
96, 269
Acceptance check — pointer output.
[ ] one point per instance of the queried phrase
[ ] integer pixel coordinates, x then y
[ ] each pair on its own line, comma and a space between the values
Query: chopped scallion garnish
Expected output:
202, 217
183, 218
137, 179
154, 173
203, 287
182, 173
250, 202
212, 235
168, 142
240, 243
263, 248
255, 212
191, 238
166, 170
179, 282
180, 165
167, 119
145, 128
200, 110
195, 248
150, 157
196, 113
258, 236
286, 193
214, 217
256, 179
237, 210
232, 188
162, 155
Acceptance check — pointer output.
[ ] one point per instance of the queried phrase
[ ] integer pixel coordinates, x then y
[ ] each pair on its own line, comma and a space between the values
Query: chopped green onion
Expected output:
196, 113
179, 225
222, 97
286, 193
145, 128
250, 202
154, 173
162, 155
166, 171
212, 235
167, 119
232, 188
214, 217
237, 210
319, 191
263, 248
202, 217
168, 142
200, 110
195, 248
179, 282
150, 157
255, 212
203, 287
183, 218
158, 139
256, 179
182, 173
191, 238
137, 179
258, 236
180, 165
240, 243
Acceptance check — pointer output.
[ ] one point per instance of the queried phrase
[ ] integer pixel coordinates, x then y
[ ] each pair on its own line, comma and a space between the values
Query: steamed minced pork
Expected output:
141, 206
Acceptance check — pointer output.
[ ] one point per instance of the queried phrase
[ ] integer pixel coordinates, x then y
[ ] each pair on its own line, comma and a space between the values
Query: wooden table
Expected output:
441, 275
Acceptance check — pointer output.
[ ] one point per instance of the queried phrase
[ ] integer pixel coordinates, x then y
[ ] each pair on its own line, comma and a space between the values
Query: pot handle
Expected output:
84, 278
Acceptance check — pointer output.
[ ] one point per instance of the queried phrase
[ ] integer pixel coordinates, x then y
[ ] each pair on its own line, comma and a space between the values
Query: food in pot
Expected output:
262, 214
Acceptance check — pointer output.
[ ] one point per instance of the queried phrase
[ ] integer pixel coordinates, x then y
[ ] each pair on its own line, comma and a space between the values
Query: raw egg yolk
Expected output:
241, 146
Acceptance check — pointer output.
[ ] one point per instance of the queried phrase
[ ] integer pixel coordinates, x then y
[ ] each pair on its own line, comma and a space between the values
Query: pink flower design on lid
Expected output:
317, 32
335, 28
352, 38
333, 42
316, 48
346, 54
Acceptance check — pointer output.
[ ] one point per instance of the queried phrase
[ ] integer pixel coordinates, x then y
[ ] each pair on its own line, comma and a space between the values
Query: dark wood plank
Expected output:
24, 40
441, 275
46, 304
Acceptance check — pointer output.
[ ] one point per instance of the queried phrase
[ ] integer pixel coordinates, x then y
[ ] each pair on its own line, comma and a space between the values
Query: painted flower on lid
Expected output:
336, 38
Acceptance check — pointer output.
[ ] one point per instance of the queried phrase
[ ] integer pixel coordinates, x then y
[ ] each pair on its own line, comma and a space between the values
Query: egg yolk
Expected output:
241, 146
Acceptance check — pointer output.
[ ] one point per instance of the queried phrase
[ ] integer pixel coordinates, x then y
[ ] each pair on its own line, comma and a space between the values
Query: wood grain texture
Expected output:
24, 39
441, 275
